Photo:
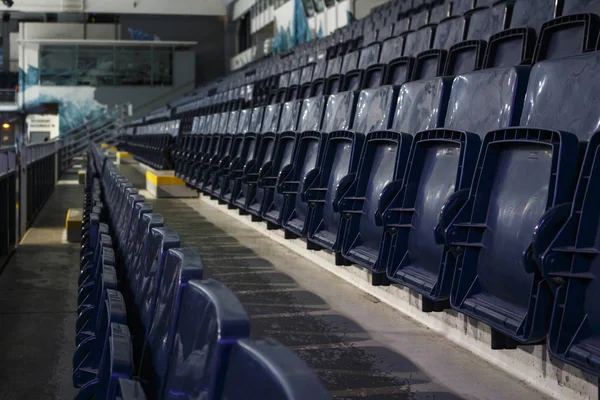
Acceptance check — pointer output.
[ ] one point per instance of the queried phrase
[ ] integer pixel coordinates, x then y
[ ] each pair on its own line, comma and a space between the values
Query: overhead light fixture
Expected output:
8, 3
6, 125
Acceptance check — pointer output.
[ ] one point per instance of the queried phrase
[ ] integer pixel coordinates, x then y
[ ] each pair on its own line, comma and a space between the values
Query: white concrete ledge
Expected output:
531, 364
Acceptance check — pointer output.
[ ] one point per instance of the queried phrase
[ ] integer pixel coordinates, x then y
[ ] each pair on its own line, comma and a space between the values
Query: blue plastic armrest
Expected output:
346, 183
387, 195
449, 210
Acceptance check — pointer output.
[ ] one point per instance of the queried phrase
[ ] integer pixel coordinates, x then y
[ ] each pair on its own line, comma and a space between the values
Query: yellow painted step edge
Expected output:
123, 154
163, 180
72, 223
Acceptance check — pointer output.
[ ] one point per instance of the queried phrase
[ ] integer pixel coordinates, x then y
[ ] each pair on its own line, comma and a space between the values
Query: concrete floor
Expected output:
38, 305
359, 347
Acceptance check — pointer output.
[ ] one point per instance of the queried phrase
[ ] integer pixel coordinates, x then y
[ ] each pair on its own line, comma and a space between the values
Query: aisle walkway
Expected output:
361, 348
37, 305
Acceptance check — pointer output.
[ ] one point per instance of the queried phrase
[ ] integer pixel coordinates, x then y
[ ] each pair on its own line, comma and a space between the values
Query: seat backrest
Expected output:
339, 111
532, 13
243, 125
419, 19
159, 241
401, 26
581, 6
223, 119
232, 122
350, 61
211, 319
271, 118
440, 12
369, 55
181, 266
311, 114
214, 123
484, 22
459, 7
563, 94
257, 120
486, 100
375, 109
267, 370
290, 112
449, 32
334, 66
421, 105
418, 41
391, 49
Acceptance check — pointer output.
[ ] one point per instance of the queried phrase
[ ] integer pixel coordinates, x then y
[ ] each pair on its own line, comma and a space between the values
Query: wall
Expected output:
210, 54
159, 7
80, 103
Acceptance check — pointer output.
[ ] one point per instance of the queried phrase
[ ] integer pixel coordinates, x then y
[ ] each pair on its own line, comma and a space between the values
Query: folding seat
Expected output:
139, 210
306, 77
293, 89
274, 182
516, 45
317, 86
220, 176
439, 13
335, 81
431, 63
460, 7
408, 210
509, 282
267, 370
354, 79
210, 145
116, 363
192, 146
399, 69
148, 273
401, 27
179, 267
312, 141
244, 157
469, 55
129, 389
270, 153
224, 150
419, 20
211, 320
573, 33
201, 143
338, 170
92, 338
146, 224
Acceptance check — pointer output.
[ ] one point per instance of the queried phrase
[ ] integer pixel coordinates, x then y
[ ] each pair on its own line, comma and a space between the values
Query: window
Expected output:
105, 65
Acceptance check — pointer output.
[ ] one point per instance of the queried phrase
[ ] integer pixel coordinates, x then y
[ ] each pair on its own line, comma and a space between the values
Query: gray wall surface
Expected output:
208, 31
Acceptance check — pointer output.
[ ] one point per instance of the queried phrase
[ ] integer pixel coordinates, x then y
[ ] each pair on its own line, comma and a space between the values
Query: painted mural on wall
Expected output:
296, 32
77, 104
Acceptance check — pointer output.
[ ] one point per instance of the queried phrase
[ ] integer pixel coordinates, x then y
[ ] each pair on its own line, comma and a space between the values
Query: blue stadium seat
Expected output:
340, 161
264, 146
469, 55
210, 145
246, 154
223, 149
516, 45
180, 267
266, 370
431, 63
290, 113
221, 175
306, 164
502, 284
570, 34
92, 347
211, 320
391, 50
116, 363
440, 172
355, 79
129, 389
281, 161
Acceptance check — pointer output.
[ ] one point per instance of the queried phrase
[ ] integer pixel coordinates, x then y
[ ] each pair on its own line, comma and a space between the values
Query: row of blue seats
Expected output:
152, 150
470, 191
148, 326
453, 38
